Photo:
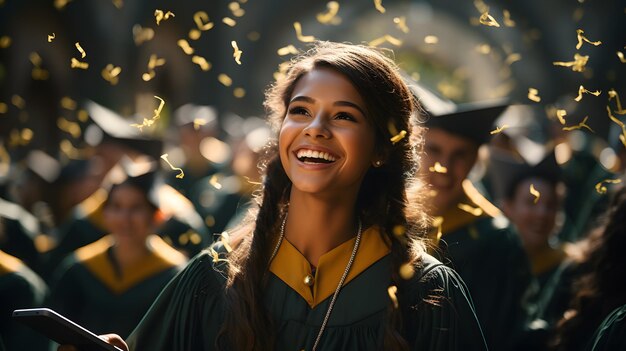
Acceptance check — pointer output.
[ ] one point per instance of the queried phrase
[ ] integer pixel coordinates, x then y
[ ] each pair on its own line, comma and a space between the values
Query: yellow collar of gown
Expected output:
95, 257
9, 264
292, 267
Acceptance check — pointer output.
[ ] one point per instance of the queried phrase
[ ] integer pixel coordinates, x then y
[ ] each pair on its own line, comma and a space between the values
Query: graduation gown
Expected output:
20, 288
494, 266
611, 335
90, 289
436, 307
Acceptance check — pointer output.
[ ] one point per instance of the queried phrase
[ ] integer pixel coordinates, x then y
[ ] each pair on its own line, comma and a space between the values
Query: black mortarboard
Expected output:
507, 169
110, 126
202, 117
473, 121
141, 175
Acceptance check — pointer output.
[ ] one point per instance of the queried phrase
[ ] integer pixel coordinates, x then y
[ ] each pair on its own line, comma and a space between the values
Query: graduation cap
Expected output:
201, 117
473, 121
109, 126
507, 169
141, 174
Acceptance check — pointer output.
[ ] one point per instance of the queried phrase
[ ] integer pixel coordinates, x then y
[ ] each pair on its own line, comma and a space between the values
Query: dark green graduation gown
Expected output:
20, 288
436, 307
611, 335
90, 290
495, 268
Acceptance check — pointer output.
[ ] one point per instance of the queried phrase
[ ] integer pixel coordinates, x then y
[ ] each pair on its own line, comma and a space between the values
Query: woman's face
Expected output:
326, 144
534, 221
128, 215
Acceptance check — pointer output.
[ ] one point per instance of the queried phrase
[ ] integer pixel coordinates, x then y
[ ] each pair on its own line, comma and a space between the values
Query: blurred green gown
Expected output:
611, 335
437, 309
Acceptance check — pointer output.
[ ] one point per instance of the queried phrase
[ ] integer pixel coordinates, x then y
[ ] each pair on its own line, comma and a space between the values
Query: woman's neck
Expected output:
127, 254
315, 226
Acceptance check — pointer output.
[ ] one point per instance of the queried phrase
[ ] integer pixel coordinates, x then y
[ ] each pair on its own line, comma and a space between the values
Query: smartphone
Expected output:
62, 330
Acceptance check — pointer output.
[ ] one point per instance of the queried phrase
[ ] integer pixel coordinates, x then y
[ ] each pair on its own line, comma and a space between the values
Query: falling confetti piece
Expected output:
392, 290
68, 103
141, 35
18, 101
601, 189
507, 19
578, 65
155, 62
533, 95
512, 58
239, 93
3, 107
216, 256
184, 44
225, 79
560, 114
160, 16
534, 193
229, 21
622, 136
474, 211
110, 73
148, 76
181, 174
438, 168
582, 90
431, 39
69, 127
401, 24
613, 95
237, 53
487, 20
202, 21
214, 182
288, 50
330, 17
80, 49
51, 37
378, 4
620, 55
202, 62
396, 138
118, 4
157, 114
407, 271
499, 129
581, 38
5, 42
198, 122
236, 9
580, 125
385, 38
302, 38
35, 59
77, 64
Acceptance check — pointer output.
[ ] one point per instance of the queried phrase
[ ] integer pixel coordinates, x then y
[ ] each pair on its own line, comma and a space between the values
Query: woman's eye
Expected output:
298, 111
346, 116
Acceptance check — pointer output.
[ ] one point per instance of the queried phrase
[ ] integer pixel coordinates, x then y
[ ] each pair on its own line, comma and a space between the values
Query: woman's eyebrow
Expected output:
350, 104
302, 98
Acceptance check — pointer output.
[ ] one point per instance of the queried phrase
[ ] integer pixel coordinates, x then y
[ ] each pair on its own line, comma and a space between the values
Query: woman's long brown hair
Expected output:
391, 109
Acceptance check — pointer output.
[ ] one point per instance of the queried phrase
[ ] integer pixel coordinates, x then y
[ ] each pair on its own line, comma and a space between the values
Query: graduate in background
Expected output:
108, 285
329, 261
489, 258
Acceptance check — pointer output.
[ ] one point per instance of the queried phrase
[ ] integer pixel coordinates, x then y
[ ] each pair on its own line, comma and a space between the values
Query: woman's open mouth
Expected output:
314, 157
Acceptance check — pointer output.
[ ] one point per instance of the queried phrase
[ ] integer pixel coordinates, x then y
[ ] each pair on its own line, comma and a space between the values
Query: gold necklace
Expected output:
341, 281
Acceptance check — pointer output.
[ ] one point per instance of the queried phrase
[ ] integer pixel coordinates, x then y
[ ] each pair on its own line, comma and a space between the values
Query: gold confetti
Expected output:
534, 193
483, 49
51, 37
160, 16
118, 3
5, 42
181, 174
216, 256
378, 4
202, 21
622, 136
431, 39
401, 24
110, 73
225, 240
507, 19
148, 76
3, 107
581, 38
582, 124
198, 122
254, 36
407, 271
27, 134
287, 50
620, 55
613, 95
601, 189
83, 116
157, 114
512, 58
141, 35
77, 64
155, 62
214, 182
532, 95
225, 79
438, 168
60, 4
392, 290
396, 138
68, 103
302, 38
499, 129
330, 17
18, 102
236, 9
560, 114
194, 34
202, 62
229, 21
239, 93
385, 38
5, 161
70, 127
184, 44
80, 49
237, 53
438, 223
578, 65
481, 6
35, 59
582, 90
474, 211
487, 20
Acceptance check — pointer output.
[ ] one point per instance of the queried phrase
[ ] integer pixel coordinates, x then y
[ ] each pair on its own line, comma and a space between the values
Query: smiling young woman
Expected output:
329, 260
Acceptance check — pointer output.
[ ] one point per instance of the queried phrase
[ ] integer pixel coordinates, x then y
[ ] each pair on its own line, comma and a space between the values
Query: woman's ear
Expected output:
158, 218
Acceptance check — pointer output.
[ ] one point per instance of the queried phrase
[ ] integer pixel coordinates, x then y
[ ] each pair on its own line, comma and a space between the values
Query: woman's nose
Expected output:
318, 127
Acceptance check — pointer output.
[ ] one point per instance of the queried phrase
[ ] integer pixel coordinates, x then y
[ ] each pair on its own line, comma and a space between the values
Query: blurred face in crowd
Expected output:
326, 143
457, 155
534, 221
129, 215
